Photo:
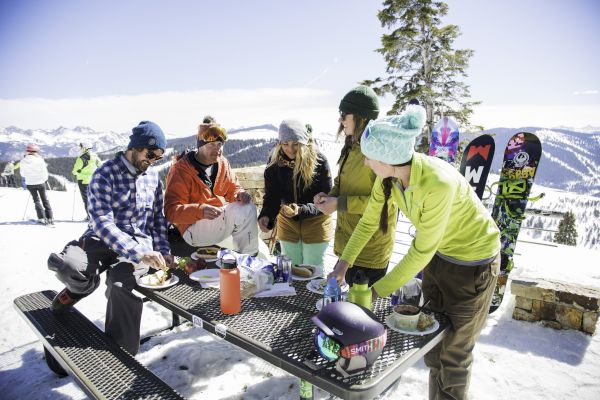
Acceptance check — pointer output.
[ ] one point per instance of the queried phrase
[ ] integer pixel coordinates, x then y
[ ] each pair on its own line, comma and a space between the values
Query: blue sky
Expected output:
108, 64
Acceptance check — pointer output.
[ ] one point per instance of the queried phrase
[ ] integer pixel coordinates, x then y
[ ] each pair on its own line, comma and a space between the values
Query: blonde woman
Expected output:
295, 173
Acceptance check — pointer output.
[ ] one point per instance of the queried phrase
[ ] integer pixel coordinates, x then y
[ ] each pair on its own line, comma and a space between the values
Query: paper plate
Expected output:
416, 332
313, 268
144, 282
316, 286
205, 275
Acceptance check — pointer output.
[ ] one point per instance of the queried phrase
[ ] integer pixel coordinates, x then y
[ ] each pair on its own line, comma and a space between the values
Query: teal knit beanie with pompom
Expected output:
392, 139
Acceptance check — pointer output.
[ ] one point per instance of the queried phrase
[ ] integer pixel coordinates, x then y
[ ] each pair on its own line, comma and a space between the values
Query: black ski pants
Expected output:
42, 207
83, 187
79, 266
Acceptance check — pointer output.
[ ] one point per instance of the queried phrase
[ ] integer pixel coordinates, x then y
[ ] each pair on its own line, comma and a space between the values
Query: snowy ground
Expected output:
513, 359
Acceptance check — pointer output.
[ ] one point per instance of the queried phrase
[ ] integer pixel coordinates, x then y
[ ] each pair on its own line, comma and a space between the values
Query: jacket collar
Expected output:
416, 170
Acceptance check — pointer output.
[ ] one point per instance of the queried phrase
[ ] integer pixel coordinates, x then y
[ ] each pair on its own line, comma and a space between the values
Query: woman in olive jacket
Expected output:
352, 189
295, 173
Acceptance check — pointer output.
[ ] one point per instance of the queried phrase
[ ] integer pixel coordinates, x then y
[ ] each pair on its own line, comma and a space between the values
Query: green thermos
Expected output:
360, 293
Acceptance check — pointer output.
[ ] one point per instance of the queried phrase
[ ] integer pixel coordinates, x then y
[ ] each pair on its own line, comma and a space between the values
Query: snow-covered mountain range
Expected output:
60, 142
570, 161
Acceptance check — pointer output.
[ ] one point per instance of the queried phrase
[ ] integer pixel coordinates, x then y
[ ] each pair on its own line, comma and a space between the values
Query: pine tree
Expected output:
422, 64
567, 234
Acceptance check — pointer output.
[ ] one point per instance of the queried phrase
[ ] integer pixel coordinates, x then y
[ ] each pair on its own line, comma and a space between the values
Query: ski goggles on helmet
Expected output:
331, 349
212, 133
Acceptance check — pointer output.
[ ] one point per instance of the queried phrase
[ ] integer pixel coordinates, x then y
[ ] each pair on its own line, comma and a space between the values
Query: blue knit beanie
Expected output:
392, 139
147, 135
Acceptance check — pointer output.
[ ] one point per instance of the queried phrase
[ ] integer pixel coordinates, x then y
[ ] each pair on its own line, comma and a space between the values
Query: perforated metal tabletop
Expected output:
279, 330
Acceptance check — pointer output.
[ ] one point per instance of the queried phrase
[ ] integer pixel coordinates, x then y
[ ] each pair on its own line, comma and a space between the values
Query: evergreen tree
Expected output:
567, 234
422, 64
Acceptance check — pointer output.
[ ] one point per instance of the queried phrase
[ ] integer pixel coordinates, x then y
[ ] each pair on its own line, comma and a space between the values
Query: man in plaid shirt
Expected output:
127, 233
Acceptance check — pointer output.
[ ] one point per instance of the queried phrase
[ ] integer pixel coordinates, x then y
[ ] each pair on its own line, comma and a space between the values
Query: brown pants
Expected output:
464, 294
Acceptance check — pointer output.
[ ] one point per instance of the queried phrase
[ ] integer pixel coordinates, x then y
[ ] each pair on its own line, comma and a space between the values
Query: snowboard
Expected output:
477, 161
444, 139
521, 158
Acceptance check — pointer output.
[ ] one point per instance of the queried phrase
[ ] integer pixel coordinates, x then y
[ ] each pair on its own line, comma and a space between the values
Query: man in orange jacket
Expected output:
204, 200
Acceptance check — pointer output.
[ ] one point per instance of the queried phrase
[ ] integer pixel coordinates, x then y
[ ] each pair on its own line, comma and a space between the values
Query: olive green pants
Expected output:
464, 294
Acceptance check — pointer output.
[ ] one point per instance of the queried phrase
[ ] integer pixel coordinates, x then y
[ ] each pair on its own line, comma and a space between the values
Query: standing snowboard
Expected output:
477, 161
521, 158
444, 139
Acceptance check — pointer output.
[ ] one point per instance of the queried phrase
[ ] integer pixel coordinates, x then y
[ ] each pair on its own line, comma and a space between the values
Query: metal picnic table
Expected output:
279, 330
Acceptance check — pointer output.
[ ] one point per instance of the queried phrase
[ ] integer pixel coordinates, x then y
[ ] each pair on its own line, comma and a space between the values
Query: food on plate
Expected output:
158, 278
207, 252
425, 321
302, 271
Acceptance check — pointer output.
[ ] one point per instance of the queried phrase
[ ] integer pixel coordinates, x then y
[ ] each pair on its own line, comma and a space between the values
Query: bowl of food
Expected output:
405, 316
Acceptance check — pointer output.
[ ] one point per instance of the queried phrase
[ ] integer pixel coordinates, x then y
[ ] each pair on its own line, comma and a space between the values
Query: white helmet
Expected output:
86, 144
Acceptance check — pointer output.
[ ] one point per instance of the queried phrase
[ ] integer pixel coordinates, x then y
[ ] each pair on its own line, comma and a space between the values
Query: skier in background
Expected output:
84, 167
9, 174
35, 173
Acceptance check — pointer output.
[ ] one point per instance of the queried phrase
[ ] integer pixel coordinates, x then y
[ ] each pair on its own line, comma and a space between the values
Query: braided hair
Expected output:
387, 184
387, 191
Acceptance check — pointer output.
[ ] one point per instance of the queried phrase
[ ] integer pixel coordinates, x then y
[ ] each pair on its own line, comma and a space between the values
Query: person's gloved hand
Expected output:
289, 210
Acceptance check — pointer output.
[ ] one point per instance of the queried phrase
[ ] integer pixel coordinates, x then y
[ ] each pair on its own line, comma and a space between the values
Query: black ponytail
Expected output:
387, 191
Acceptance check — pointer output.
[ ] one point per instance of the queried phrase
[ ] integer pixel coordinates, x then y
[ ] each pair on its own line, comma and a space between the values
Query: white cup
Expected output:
405, 316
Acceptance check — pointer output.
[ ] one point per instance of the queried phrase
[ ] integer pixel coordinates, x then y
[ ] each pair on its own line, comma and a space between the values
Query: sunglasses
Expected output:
213, 133
330, 349
343, 114
152, 156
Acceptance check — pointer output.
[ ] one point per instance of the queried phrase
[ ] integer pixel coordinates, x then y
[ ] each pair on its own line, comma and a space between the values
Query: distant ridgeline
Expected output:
570, 160
240, 153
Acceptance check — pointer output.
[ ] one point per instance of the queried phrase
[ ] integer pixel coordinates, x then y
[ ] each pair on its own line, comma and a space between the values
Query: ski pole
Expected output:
26, 205
73, 207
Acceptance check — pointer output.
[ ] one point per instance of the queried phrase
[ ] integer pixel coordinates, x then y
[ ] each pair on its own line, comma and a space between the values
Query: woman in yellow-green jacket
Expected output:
457, 242
84, 167
352, 188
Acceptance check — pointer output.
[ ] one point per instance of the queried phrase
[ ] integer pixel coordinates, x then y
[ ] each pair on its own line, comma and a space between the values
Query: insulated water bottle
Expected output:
229, 278
359, 292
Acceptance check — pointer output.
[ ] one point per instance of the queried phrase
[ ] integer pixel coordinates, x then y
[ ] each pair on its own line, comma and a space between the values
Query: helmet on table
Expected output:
350, 334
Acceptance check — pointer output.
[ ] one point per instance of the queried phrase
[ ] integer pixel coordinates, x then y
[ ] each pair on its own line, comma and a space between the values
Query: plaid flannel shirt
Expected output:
126, 209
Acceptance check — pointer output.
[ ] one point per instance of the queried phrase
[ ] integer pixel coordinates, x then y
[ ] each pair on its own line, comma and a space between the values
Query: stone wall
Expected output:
556, 305
252, 180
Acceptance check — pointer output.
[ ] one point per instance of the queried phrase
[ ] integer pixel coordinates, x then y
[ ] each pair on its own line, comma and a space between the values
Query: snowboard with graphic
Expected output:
477, 161
521, 158
444, 139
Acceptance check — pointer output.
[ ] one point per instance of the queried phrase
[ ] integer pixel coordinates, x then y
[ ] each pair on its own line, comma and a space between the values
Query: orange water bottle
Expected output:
229, 278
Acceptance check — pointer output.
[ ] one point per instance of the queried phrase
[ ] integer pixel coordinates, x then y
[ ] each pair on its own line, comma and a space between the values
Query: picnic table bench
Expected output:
74, 345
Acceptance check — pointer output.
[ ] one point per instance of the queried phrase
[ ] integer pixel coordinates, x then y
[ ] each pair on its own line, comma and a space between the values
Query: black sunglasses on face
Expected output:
343, 114
151, 155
